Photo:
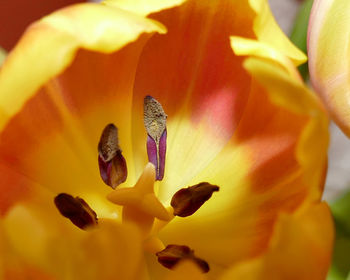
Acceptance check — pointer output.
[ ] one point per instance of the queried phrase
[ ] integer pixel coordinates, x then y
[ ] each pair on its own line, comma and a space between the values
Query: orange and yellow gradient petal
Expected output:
268, 167
45, 140
308, 230
247, 125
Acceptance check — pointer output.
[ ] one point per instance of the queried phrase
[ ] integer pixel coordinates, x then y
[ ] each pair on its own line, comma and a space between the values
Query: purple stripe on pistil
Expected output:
162, 152
152, 152
155, 153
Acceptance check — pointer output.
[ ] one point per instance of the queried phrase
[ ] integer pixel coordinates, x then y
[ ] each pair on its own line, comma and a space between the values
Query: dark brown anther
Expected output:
173, 254
188, 200
109, 143
111, 162
76, 209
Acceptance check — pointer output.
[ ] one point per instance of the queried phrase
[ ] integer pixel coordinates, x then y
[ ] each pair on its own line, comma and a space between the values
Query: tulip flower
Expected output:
328, 56
161, 140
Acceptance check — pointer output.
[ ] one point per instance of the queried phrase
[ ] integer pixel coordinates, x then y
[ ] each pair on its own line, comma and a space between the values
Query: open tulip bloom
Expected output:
161, 139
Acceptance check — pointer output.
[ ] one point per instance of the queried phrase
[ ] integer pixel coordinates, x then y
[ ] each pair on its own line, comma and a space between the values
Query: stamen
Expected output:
76, 209
155, 124
112, 164
188, 200
172, 254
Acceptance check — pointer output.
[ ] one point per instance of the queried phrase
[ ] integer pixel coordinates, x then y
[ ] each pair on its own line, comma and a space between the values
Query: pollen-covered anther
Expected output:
155, 124
76, 209
173, 254
188, 200
112, 164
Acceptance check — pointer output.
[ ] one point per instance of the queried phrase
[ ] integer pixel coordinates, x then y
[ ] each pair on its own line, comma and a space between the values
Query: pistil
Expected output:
155, 124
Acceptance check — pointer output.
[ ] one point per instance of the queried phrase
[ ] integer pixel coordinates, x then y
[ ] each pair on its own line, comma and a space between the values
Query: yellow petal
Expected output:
249, 47
268, 31
143, 7
328, 58
300, 248
61, 250
186, 270
58, 127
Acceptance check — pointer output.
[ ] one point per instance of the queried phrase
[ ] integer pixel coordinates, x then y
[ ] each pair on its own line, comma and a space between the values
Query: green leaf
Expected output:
340, 269
299, 33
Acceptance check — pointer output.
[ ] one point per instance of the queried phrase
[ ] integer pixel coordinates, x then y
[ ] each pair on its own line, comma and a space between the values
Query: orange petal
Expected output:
24, 271
300, 248
311, 149
50, 131
200, 83
274, 162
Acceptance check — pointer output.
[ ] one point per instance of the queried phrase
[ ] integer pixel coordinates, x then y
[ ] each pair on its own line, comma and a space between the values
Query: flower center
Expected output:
140, 204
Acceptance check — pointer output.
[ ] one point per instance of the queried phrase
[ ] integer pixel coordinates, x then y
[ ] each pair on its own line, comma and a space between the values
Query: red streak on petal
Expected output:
220, 111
